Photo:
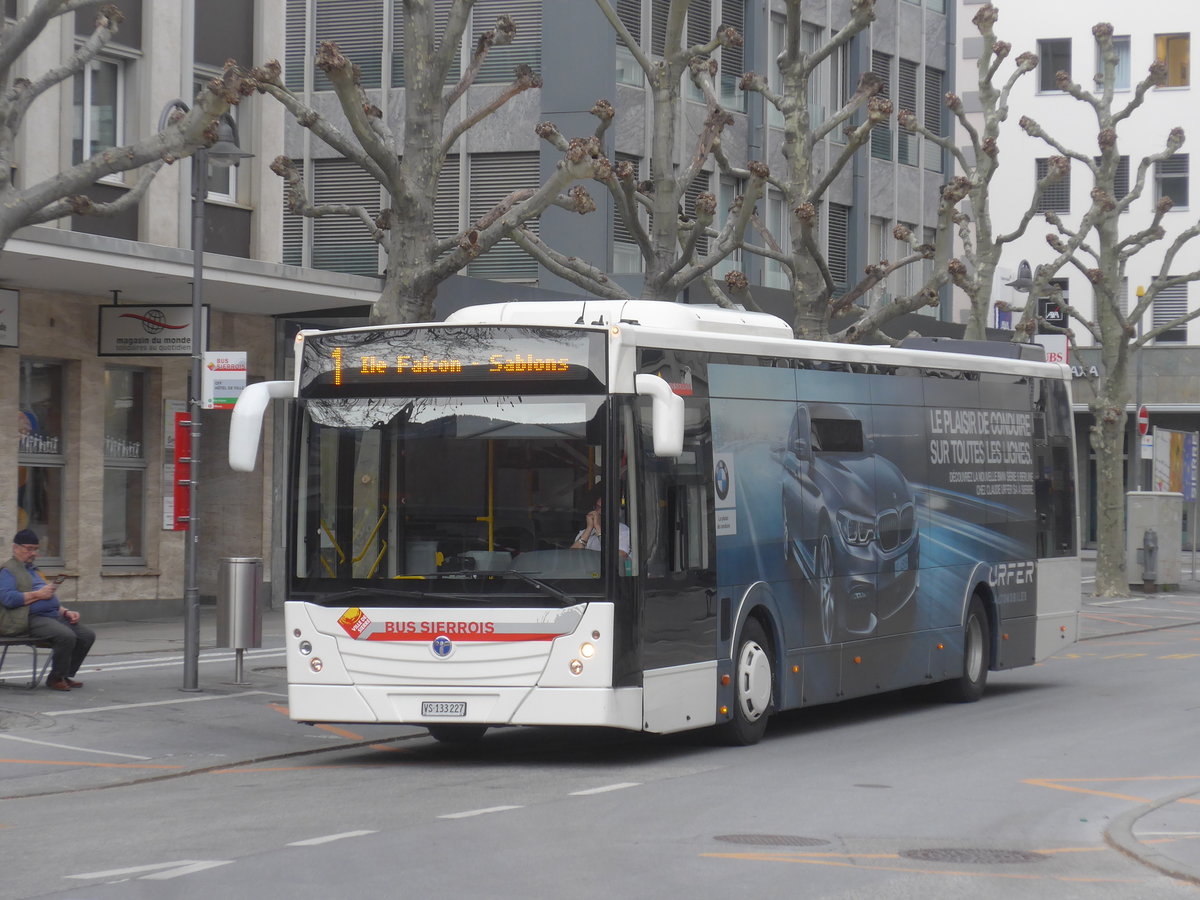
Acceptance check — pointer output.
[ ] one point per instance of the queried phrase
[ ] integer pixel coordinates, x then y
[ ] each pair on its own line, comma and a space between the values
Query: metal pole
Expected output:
1140, 463
191, 586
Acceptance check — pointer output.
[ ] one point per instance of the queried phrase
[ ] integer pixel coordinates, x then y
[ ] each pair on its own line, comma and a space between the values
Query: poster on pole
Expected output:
223, 379
170, 408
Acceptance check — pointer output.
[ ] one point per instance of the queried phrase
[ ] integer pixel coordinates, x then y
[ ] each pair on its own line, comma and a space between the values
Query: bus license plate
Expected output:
443, 707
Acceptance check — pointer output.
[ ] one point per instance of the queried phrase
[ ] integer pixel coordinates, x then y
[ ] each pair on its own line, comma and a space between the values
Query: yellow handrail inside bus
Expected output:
383, 545
490, 518
371, 537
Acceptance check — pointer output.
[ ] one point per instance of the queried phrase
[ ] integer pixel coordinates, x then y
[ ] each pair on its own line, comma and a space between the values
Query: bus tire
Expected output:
977, 643
753, 687
456, 733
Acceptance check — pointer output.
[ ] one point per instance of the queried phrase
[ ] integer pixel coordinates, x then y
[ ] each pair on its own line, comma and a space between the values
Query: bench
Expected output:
36, 673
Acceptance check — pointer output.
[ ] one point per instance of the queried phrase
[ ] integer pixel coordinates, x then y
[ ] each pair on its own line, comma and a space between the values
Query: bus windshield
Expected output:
447, 500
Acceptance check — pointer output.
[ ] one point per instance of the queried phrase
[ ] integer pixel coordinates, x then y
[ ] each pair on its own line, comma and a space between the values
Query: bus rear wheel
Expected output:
754, 687
977, 643
458, 733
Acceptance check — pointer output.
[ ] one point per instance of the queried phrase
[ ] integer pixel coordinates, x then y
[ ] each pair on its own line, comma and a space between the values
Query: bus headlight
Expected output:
576, 666
305, 648
587, 650
315, 664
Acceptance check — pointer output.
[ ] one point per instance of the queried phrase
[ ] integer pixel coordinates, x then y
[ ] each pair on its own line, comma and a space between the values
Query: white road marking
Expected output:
13, 737
1145, 834
312, 842
158, 871
1116, 602
606, 788
478, 812
95, 709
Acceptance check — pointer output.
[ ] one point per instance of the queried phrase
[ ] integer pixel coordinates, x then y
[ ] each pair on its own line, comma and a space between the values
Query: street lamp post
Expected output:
224, 152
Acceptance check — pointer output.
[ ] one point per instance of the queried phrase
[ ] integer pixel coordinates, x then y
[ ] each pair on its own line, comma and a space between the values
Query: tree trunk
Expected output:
1107, 437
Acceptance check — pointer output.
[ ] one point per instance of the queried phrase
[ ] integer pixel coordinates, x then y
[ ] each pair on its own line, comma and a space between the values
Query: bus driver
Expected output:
589, 537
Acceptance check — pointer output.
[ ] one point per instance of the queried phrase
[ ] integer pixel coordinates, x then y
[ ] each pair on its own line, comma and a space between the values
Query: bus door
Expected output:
677, 544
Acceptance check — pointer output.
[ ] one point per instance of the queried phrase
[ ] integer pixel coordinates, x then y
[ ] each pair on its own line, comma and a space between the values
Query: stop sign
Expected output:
1143, 419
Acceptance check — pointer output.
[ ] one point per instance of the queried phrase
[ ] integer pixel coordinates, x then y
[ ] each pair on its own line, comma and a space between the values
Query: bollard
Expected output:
239, 613
1149, 561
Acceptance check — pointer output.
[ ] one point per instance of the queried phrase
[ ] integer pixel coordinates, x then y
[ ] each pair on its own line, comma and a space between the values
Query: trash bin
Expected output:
239, 613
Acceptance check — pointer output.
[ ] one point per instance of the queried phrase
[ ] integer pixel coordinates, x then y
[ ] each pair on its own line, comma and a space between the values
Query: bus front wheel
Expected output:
754, 686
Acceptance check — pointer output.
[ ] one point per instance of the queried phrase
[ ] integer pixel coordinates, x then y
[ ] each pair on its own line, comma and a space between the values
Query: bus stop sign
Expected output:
1143, 420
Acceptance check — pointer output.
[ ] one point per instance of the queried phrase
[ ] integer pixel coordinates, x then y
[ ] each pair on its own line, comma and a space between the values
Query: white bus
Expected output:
783, 523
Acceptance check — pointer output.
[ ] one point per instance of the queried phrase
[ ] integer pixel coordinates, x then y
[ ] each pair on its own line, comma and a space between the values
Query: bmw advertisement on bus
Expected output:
869, 502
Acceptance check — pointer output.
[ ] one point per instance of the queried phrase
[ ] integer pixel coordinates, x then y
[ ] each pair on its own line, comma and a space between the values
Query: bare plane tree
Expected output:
407, 165
1095, 246
61, 195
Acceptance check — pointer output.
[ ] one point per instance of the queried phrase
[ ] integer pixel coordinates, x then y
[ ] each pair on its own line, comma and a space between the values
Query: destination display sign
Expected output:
437, 360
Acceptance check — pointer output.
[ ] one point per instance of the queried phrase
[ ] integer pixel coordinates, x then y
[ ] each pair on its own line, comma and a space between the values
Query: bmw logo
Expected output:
442, 646
722, 479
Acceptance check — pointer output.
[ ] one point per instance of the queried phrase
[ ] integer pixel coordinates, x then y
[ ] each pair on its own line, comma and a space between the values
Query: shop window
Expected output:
124, 467
41, 455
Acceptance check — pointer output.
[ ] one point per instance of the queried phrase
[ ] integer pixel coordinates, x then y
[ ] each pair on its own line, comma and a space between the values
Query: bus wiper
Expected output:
543, 586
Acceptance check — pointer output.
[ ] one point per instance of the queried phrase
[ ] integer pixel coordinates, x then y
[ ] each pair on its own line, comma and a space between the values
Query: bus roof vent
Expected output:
655, 314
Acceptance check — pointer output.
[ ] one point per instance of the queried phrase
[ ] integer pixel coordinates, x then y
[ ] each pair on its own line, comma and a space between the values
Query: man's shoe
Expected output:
58, 684
71, 682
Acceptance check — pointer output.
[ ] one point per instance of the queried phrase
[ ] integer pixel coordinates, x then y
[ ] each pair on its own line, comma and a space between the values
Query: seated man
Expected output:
589, 537
21, 584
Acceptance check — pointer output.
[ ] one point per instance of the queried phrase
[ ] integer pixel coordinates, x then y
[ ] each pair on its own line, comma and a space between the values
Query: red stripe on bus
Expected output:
481, 638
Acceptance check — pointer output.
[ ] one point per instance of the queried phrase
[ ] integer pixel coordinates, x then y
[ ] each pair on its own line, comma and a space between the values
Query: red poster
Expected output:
183, 469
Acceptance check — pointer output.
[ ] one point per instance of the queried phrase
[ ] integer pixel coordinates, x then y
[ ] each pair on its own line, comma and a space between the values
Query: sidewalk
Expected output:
133, 722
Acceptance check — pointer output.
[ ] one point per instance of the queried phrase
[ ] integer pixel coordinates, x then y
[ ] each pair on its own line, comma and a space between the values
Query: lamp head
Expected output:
225, 151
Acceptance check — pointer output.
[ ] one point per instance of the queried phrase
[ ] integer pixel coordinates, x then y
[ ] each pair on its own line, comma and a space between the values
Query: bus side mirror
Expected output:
666, 414
245, 423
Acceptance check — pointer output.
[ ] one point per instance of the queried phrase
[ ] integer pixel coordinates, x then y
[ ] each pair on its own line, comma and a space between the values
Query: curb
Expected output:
1119, 836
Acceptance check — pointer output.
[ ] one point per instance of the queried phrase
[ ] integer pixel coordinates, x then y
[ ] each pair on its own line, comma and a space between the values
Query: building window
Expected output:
907, 147
1054, 56
222, 180
342, 243
357, 27
627, 255
1057, 196
526, 46
728, 190
1170, 305
628, 70
41, 455
733, 59
493, 177
935, 120
840, 87
775, 275
98, 108
123, 533
881, 134
691, 194
1121, 80
1171, 180
1174, 50
838, 256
